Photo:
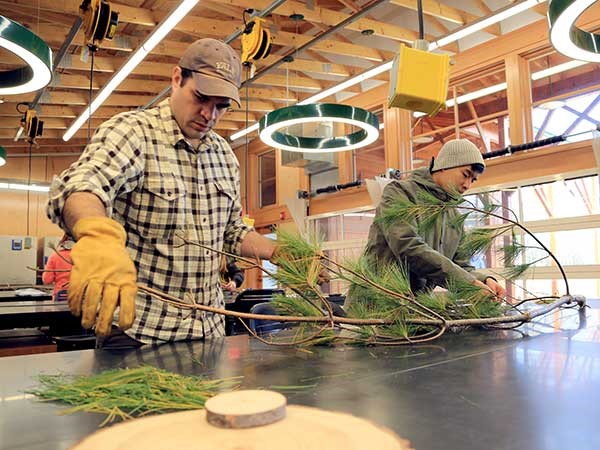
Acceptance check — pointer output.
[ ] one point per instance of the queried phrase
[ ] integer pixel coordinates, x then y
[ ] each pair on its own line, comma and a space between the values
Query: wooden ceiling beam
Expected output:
215, 27
230, 11
9, 110
305, 65
51, 123
82, 82
336, 47
331, 18
55, 35
437, 24
445, 12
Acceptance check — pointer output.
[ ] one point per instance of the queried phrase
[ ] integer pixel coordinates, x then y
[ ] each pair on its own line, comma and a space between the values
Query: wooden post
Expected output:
456, 115
518, 91
397, 138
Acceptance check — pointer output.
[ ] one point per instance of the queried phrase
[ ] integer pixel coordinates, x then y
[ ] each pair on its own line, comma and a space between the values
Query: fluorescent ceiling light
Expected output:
566, 37
33, 51
557, 69
422, 139
155, 37
244, 132
551, 105
502, 14
24, 187
348, 83
485, 22
476, 94
502, 86
19, 133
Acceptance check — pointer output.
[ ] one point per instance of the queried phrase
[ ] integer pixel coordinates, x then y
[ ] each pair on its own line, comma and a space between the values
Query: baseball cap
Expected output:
216, 67
456, 153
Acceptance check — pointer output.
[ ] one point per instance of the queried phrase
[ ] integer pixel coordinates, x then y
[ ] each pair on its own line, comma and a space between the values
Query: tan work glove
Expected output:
103, 274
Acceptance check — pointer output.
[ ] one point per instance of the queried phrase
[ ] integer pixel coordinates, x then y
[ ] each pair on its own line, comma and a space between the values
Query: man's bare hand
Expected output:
499, 291
491, 287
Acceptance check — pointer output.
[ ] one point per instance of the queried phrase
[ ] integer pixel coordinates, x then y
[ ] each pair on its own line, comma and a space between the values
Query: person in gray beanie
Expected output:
432, 257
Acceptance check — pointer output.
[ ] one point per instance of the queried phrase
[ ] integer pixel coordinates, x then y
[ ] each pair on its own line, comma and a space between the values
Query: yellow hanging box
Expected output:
419, 80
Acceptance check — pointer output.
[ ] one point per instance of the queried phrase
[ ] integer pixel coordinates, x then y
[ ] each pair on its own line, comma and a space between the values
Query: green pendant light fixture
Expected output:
35, 53
272, 125
567, 38
2, 156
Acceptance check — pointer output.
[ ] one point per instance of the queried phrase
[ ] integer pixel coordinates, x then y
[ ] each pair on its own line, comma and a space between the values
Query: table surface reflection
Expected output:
537, 387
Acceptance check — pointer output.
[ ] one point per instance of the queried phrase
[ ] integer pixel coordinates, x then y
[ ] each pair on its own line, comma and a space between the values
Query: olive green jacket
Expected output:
431, 257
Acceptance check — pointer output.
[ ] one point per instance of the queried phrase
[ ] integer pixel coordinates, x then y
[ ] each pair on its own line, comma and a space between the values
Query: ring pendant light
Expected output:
272, 123
37, 72
566, 37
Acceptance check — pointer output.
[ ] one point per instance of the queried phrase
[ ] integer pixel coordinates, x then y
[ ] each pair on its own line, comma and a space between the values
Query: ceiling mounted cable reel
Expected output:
99, 22
32, 125
256, 43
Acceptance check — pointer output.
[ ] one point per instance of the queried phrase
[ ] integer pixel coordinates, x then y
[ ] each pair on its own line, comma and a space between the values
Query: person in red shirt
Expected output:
58, 270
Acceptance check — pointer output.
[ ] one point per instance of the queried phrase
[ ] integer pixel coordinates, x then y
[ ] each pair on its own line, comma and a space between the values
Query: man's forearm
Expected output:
256, 245
82, 204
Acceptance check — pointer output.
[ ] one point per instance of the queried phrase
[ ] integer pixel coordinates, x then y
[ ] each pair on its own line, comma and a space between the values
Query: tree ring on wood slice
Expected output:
303, 428
245, 409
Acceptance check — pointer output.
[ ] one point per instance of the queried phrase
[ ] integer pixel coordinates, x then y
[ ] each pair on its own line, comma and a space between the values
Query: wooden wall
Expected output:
16, 204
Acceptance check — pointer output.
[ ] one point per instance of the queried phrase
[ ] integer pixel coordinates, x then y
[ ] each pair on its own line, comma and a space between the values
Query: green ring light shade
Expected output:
33, 51
271, 123
566, 38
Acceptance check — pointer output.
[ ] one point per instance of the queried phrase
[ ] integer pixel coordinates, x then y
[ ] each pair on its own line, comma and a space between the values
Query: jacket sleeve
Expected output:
48, 277
410, 248
235, 273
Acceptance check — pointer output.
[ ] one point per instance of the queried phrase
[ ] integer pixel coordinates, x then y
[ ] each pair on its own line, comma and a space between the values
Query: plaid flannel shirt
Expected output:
153, 182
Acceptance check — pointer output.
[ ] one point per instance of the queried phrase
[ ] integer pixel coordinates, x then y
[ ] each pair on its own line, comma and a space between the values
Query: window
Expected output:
344, 235
565, 216
266, 179
561, 104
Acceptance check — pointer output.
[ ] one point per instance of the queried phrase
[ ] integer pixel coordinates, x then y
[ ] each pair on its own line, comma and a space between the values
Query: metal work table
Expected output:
537, 388
11, 296
29, 314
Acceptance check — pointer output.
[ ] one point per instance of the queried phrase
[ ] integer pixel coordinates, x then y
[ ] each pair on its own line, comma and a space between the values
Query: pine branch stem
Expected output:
521, 227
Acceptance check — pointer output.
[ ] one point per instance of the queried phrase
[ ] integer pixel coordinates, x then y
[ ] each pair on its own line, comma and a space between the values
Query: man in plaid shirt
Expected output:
147, 182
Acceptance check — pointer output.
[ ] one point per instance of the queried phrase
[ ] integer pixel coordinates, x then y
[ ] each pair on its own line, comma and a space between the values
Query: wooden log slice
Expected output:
303, 428
245, 409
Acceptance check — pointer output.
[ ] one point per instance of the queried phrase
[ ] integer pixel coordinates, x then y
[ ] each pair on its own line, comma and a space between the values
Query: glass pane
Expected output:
564, 198
357, 224
560, 105
266, 179
508, 206
571, 248
341, 256
329, 228
481, 115
539, 288
370, 161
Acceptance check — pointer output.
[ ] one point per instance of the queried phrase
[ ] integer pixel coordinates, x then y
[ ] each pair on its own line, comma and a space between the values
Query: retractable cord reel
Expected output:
99, 22
32, 125
256, 43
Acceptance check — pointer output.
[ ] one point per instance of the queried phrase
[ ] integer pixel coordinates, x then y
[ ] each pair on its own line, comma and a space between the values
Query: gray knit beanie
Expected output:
456, 153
